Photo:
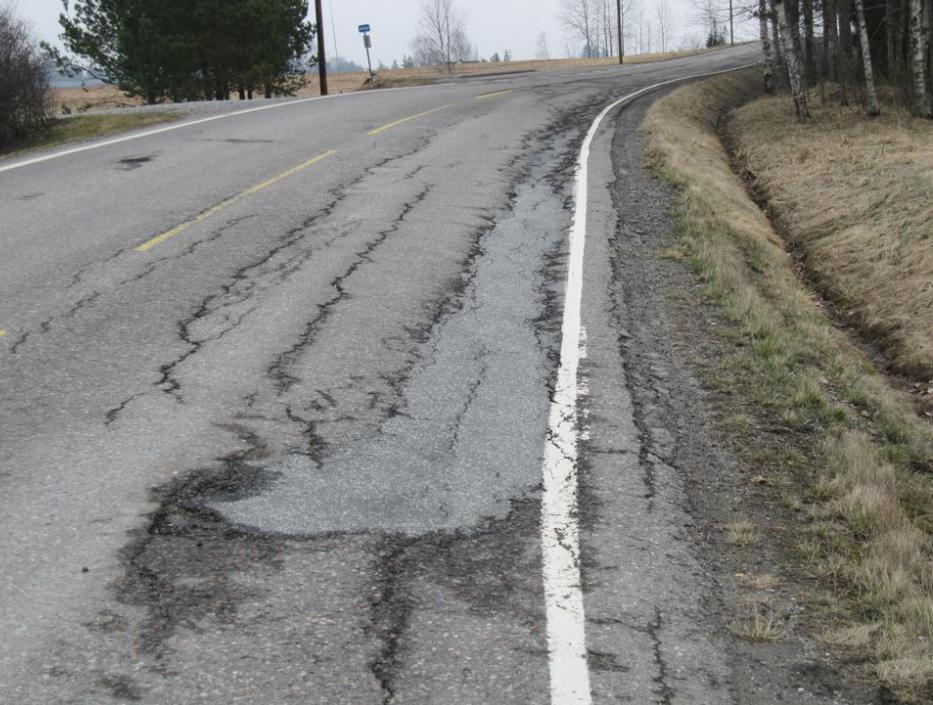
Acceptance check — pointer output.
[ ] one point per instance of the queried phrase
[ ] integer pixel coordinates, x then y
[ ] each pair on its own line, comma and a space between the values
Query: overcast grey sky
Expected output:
493, 25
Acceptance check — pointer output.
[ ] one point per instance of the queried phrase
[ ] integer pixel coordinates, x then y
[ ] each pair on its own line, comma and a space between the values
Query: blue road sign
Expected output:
364, 28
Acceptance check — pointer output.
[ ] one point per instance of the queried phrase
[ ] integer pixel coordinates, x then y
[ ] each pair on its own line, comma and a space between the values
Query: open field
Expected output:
107, 97
856, 197
845, 456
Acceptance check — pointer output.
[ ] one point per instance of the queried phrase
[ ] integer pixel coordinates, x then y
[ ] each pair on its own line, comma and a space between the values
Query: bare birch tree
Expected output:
809, 43
663, 13
792, 61
578, 18
871, 92
768, 56
594, 25
918, 62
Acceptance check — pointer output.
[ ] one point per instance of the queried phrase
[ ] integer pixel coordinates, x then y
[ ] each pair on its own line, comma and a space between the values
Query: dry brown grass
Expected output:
741, 533
759, 582
758, 623
87, 127
79, 100
868, 494
857, 197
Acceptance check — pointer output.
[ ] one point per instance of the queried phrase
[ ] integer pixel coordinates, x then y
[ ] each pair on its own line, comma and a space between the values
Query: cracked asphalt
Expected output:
293, 453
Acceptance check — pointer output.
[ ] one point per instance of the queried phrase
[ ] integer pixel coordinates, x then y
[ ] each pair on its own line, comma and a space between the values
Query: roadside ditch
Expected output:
839, 490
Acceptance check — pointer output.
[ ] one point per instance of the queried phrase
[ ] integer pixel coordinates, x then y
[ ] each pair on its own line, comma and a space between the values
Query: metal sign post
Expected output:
368, 43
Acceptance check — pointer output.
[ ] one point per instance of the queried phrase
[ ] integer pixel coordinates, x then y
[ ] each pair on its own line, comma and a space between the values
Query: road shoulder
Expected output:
665, 561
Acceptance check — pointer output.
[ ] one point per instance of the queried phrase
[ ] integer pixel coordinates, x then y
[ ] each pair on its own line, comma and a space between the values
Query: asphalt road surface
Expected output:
274, 395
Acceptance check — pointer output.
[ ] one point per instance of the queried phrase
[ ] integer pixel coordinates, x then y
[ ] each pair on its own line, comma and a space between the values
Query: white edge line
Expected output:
566, 636
190, 123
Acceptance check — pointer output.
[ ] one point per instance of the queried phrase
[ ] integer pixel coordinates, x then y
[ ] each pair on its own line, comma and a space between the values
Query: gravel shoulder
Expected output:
716, 583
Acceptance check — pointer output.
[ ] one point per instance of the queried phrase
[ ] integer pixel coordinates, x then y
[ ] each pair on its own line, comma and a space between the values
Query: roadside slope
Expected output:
855, 197
838, 448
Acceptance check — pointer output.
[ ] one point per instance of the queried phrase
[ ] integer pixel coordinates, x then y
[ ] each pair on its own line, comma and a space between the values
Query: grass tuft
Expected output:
758, 624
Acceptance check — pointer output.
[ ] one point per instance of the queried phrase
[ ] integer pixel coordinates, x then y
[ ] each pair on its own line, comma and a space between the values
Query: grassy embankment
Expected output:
846, 453
85, 127
856, 197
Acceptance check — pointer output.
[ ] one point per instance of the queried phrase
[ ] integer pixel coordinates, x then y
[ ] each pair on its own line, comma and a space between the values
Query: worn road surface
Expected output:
274, 395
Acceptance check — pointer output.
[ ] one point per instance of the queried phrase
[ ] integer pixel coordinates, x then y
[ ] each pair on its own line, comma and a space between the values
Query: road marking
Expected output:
200, 121
2, 332
563, 593
389, 126
496, 94
214, 210
156, 131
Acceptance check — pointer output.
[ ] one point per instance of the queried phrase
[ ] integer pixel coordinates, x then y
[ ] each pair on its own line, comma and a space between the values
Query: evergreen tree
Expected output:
188, 49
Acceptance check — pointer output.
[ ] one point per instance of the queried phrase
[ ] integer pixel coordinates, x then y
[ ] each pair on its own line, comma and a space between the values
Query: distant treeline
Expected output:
189, 49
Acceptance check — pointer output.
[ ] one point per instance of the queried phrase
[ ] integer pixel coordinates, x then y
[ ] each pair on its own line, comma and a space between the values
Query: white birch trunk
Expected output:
873, 107
792, 61
918, 61
766, 46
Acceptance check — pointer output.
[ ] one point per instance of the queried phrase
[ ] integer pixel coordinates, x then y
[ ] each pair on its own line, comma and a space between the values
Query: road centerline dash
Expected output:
389, 126
214, 210
496, 94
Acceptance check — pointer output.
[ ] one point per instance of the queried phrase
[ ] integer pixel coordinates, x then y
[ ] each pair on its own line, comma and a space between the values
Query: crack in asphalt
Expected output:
389, 609
184, 522
228, 295
277, 371
470, 398
112, 414
632, 367
664, 692
314, 443
46, 325
181, 566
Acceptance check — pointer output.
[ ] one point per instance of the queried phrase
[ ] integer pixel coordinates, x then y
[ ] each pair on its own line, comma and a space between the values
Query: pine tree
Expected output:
188, 49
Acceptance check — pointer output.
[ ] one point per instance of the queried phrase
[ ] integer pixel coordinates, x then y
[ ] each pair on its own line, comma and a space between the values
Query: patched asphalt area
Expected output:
435, 593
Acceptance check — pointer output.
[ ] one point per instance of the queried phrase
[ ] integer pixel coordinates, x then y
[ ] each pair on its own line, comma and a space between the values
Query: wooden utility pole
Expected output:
321, 56
731, 26
619, 28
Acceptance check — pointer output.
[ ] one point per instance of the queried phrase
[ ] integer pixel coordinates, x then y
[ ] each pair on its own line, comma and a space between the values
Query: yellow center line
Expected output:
214, 210
372, 133
2, 332
497, 94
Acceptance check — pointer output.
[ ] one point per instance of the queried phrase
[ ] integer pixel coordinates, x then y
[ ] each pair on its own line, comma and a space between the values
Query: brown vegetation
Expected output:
856, 197
87, 127
852, 460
